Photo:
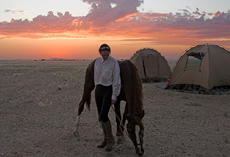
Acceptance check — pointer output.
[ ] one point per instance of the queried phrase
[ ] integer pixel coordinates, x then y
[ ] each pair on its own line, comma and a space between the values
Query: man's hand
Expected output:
113, 101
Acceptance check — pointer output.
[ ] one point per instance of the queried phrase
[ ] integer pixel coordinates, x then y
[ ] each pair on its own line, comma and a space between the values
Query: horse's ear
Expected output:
142, 113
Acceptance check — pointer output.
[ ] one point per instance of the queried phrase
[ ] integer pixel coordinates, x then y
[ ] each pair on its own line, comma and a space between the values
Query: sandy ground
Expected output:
38, 106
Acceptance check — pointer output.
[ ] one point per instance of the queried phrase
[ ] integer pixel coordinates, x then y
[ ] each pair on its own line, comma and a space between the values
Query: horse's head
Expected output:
133, 120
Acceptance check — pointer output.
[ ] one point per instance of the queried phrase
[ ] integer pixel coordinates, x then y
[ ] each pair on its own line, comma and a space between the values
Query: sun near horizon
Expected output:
20, 48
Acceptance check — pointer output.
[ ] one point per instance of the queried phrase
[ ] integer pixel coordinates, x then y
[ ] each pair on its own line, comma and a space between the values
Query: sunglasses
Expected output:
105, 48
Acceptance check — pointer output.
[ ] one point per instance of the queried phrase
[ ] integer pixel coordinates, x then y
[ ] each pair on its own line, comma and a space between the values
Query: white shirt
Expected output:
106, 73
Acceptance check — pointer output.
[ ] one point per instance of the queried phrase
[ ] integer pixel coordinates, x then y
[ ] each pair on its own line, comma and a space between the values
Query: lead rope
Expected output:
120, 122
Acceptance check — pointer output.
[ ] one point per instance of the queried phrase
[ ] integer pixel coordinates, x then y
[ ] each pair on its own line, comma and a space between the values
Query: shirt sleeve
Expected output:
116, 81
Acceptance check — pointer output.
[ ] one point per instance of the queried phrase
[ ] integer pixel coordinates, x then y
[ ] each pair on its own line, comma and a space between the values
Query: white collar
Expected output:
102, 60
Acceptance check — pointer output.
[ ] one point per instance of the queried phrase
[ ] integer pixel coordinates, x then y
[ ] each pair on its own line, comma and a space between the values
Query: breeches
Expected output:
103, 96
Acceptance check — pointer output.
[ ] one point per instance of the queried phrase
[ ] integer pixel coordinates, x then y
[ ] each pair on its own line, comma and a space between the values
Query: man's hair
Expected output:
104, 47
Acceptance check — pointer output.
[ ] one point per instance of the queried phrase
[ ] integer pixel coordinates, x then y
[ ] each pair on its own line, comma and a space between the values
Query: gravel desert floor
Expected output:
38, 109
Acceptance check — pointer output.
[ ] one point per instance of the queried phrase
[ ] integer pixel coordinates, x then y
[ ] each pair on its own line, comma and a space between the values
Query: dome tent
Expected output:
202, 67
152, 66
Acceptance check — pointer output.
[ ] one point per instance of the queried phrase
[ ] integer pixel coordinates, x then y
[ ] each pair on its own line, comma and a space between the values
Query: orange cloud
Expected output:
122, 22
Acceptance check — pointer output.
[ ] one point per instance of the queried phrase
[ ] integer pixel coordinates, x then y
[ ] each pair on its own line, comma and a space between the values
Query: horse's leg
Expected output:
141, 136
124, 117
118, 117
80, 109
75, 131
85, 96
120, 135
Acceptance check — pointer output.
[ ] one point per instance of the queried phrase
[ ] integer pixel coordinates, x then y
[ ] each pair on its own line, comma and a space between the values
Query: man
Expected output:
108, 83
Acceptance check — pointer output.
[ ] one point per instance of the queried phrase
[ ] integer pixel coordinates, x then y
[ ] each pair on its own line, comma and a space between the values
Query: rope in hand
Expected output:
121, 125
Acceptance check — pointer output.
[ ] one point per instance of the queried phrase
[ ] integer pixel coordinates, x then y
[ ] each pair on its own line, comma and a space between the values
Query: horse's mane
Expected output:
138, 95
136, 86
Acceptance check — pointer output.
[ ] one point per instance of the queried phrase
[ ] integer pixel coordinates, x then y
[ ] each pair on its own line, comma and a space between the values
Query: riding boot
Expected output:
103, 143
109, 136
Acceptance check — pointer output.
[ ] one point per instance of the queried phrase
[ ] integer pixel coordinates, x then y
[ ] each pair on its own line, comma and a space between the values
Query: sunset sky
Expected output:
36, 29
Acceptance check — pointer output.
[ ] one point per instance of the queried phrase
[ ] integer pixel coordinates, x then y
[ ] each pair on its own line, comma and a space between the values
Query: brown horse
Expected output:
131, 92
